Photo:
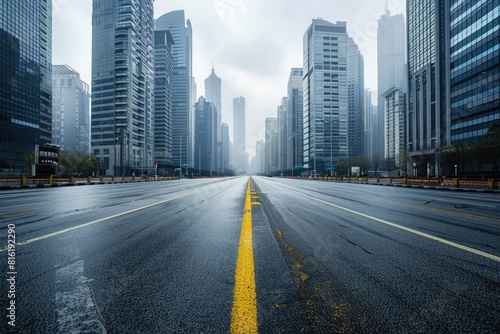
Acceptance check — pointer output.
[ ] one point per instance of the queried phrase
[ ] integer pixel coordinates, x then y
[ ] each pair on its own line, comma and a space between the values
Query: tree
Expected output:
79, 163
489, 147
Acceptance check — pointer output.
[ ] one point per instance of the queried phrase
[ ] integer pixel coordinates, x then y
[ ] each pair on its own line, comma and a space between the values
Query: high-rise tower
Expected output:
122, 84
240, 158
25, 79
333, 95
182, 85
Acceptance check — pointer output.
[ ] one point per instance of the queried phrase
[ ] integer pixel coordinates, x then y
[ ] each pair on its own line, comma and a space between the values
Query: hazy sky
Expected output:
252, 43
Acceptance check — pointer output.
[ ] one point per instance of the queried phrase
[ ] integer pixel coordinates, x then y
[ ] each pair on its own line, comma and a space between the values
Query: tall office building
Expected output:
390, 69
163, 97
182, 85
213, 93
427, 87
225, 149
282, 113
122, 84
70, 110
330, 82
395, 139
272, 155
369, 121
474, 68
355, 98
240, 157
205, 138
26, 79
295, 112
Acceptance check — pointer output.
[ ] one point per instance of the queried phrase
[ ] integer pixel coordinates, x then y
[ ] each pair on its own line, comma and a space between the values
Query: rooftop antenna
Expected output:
212, 65
386, 8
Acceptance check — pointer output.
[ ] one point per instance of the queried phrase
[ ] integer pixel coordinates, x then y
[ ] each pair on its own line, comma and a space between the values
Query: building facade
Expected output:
395, 140
122, 85
295, 126
240, 157
213, 93
355, 98
205, 138
70, 110
474, 70
391, 56
26, 80
331, 82
272, 154
283, 115
163, 145
182, 85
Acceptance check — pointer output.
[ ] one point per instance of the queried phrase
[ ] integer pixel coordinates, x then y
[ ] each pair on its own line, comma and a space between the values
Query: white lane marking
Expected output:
94, 222
422, 234
76, 311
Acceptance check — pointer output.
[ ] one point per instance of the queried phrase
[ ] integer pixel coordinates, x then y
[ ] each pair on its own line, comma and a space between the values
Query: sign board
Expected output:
46, 160
355, 170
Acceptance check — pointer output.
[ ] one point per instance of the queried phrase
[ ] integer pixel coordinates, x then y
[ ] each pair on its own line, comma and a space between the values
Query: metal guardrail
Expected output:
26, 181
466, 183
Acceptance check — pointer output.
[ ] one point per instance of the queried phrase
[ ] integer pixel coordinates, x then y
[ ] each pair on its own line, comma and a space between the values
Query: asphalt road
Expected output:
162, 257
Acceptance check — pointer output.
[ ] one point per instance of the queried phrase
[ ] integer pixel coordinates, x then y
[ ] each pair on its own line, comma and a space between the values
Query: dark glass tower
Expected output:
122, 84
25, 79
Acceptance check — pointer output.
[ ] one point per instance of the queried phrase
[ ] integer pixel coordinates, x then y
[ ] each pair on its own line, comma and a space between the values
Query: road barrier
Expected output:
464, 183
27, 181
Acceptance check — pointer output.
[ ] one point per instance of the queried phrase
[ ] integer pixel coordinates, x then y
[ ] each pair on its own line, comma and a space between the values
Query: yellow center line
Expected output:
422, 234
244, 312
93, 222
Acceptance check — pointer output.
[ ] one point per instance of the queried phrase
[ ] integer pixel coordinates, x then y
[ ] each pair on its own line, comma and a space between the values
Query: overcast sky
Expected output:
252, 43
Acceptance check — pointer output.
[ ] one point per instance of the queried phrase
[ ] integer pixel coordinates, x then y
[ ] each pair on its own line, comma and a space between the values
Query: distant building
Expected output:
395, 115
183, 85
369, 123
213, 93
355, 98
225, 149
282, 113
205, 138
122, 85
70, 110
163, 138
26, 80
240, 157
390, 68
295, 121
272, 154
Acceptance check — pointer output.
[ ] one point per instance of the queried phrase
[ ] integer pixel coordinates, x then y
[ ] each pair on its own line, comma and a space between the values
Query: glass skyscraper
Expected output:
295, 112
70, 110
163, 97
25, 79
333, 93
453, 76
182, 85
474, 68
122, 84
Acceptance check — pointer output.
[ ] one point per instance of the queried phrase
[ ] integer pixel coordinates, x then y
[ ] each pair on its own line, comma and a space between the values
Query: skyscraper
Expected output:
282, 114
213, 93
70, 110
25, 79
182, 85
163, 97
355, 98
295, 118
474, 71
225, 149
122, 84
272, 156
390, 69
205, 138
240, 158
331, 81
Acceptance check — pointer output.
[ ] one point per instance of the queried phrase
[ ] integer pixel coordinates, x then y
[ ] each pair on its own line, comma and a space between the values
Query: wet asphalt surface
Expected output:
159, 257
